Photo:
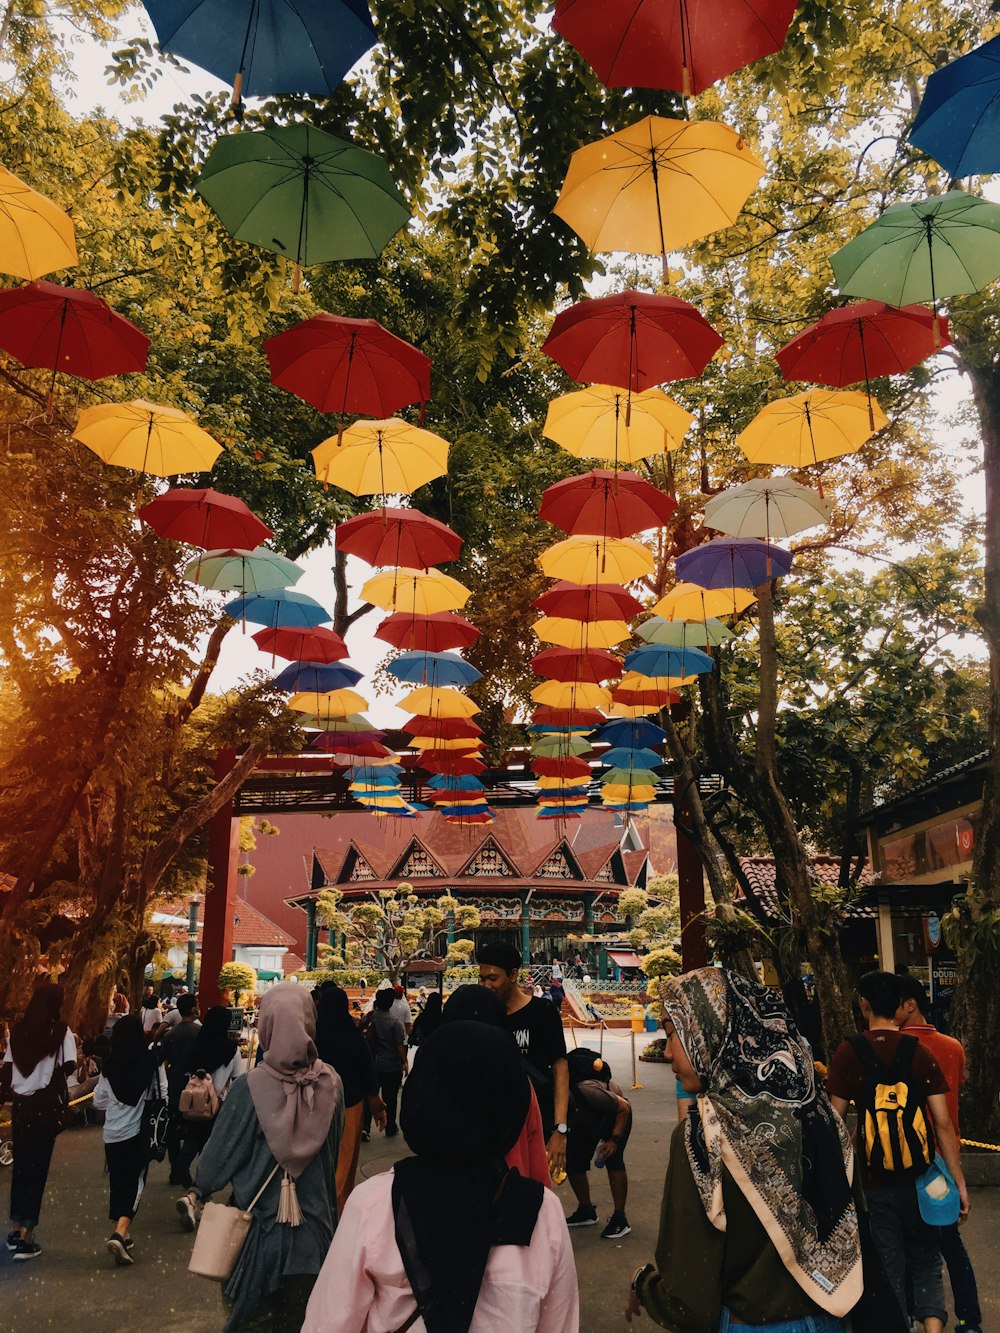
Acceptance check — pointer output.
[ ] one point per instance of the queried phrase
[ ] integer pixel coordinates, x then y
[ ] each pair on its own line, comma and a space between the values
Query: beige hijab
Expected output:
294, 1093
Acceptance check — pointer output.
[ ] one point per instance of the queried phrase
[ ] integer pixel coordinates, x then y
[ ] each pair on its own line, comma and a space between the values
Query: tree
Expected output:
239, 979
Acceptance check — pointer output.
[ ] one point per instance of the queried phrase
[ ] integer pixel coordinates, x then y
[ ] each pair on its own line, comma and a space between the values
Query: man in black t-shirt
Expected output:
537, 1028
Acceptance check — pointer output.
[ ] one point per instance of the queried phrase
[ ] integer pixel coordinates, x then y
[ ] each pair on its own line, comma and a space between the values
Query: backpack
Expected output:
894, 1131
198, 1099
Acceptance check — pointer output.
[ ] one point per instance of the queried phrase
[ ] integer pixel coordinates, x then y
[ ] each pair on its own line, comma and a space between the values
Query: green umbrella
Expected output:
684, 633
303, 194
635, 777
354, 722
558, 747
920, 252
254, 571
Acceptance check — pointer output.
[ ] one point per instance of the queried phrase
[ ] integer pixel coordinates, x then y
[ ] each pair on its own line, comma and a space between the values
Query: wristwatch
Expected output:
562, 1128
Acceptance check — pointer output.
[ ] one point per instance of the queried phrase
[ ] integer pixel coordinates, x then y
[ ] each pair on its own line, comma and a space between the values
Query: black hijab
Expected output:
340, 1043
40, 1032
213, 1048
475, 1004
462, 1110
428, 1020
130, 1065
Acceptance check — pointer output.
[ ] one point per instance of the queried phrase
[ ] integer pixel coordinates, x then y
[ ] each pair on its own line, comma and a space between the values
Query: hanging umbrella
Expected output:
438, 702
688, 601
568, 633
636, 680
327, 703
563, 694
434, 740
429, 634
550, 729
958, 120
602, 422
205, 518
591, 601
335, 742
656, 659
318, 676
766, 507
349, 366
162, 441
594, 665
447, 762
36, 237
303, 194
280, 607
638, 712
634, 735
268, 46
568, 766
657, 185
612, 504
244, 571
467, 782
381, 458
588, 559
643, 700
578, 718
634, 757
943, 246
414, 591
684, 633
808, 427
302, 645
398, 537
448, 728
559, 747
421, 668
681, 45
732, 562
572, 786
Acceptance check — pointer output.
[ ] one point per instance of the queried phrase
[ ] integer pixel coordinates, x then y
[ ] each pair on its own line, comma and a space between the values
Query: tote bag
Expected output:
222, 1232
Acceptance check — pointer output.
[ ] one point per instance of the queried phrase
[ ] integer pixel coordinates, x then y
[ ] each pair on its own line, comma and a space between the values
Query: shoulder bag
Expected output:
222, 1233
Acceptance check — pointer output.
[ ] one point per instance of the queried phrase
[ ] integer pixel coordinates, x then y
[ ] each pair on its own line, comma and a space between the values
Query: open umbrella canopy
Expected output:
633, 340
365, 746
684, 633
457, 781
438, 702
566, 784
205, 518
420, 668
559, 747
148, 437
430, 634
655, 659
36, 236
70, 331
590, 559
579, 719
638, 712
681, 45
389, 457
302, 645
688, 601
328, 703
593, 665
319, 676
398, 537
809, 427
415, 591
633, 735
572, 633
612, 504
958, 120
563, 694
657, 185
589, 601
303, 194
447, 728
630, 757
280, 607
858, 342
447, 762
435, 741
569, 766
766, 507
643, 700
637, 680
259, 570
601, 422
733, 562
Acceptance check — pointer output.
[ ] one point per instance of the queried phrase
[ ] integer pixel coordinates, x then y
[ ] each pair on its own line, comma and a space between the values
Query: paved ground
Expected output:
75, 1284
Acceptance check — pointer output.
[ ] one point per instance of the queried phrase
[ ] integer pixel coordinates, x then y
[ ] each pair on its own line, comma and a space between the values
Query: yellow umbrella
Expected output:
571, 694
807, 427
36, 236
430, 701
581, 633
657, 185
624, 791
630, 710
465, 745
145, 436
385, 803
686, 601
566, 784
334, 703
597, 560
388, 457
605, 422
416, 591
634, 680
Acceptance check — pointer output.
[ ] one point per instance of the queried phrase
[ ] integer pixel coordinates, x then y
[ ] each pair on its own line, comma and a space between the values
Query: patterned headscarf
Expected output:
763, 1117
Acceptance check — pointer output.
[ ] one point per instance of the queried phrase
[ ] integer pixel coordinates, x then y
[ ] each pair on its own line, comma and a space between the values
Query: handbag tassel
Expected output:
289, 1211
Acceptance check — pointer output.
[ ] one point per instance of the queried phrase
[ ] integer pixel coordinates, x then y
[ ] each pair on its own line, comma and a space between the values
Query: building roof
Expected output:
291, 962
251, 927
760, 872
944, 777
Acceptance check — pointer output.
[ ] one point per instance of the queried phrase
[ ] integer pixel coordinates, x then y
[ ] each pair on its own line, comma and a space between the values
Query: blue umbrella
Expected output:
958, 123
633, 733
267, 46
464, 810
318, 676
376, 777
279, 608
418, 668
544, 729
368, 773
733, 562
463, 782
663, 659
619, 757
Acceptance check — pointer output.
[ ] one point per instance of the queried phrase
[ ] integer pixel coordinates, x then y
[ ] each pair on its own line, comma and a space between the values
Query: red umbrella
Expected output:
346, 754
205, 518
861, 341
403, 537
641, 698
68, 329
429, 634
605, 503
452, 763
593, 665
681, 45
444, 728
567, 767
580, 718
452, 796
588, 601
633, 340
302, 645
349, 366
362, 744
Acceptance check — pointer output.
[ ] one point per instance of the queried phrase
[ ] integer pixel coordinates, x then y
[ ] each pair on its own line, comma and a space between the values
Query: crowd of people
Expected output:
773, 1215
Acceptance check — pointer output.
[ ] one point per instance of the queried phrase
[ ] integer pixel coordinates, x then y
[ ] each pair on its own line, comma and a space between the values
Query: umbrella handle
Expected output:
296, 277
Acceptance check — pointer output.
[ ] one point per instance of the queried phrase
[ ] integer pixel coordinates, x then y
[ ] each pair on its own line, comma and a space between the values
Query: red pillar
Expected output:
690, 876
220, 895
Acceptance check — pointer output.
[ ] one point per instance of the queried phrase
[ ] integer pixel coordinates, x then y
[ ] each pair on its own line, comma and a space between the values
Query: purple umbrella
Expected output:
733, 562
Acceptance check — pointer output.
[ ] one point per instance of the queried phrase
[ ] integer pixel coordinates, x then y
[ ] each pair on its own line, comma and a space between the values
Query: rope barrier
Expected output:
974, 1143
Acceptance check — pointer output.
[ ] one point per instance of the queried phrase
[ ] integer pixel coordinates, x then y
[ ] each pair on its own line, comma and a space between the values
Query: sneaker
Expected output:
617, 1226
13, 1240
185, 1208
585, 1216
27, 1249
365, 1136
120, 1248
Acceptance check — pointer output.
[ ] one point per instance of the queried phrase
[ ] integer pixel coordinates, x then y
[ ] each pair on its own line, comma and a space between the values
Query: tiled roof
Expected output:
760, 873
291, 962
251, 927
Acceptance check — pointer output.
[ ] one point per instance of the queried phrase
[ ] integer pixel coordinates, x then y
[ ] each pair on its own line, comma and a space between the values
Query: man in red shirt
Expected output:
950, 1055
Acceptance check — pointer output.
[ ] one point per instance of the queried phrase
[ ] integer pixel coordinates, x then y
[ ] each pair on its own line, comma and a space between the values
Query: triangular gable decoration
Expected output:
356, 869
417, 863
490, 860
605, 876
557, 865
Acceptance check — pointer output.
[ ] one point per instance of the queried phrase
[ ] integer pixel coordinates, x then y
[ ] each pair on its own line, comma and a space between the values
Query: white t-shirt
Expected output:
400, 1009
173, 1017
41, 1076
224, 1075
150, 1018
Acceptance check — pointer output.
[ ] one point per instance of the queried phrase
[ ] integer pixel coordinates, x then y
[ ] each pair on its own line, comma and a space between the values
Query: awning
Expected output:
624, 958
269, 976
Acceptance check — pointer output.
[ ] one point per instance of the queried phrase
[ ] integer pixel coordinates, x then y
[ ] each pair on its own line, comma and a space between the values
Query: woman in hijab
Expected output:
215, 1052
758, 1223
40, 1054
452, 1240
341, 1044
288, 1111
130, 1077
427, 1021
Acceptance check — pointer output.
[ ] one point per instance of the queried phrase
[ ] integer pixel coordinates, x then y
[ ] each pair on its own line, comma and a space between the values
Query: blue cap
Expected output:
939, 1207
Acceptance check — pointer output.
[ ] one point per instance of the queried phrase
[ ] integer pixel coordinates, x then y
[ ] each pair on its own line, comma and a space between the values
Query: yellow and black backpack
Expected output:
894, 1129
